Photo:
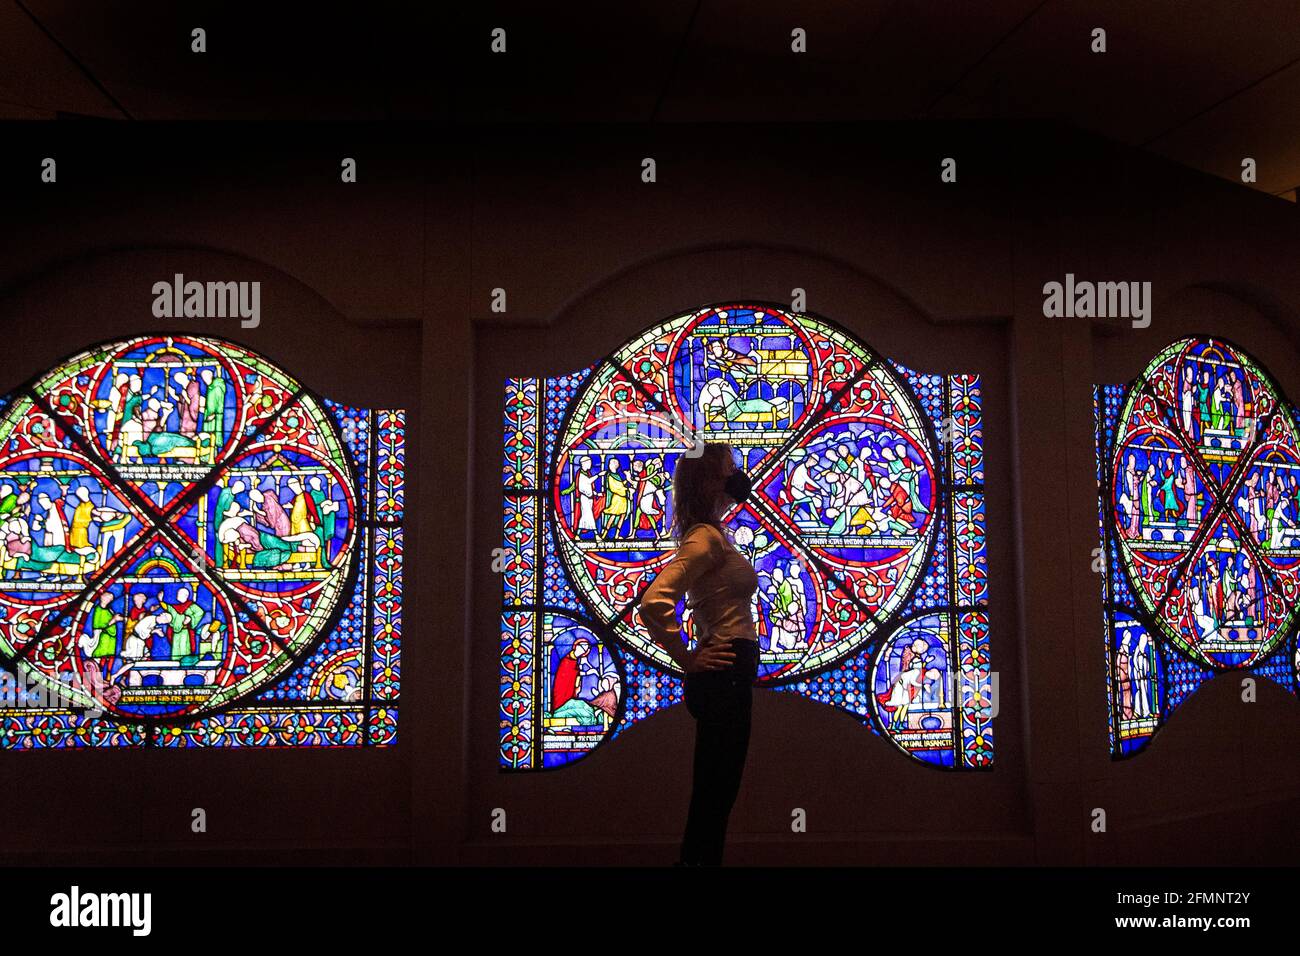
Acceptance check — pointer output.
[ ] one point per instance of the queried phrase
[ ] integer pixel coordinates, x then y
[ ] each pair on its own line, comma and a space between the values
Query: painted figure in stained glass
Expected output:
583, 687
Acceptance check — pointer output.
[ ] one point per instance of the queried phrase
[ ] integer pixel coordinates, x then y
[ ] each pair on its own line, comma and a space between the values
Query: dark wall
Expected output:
378, 294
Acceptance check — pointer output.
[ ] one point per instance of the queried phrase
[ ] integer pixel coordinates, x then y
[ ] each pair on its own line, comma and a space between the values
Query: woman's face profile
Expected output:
728, 469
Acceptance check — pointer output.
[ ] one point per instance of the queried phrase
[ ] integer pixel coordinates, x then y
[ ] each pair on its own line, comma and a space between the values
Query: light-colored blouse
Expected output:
718, 584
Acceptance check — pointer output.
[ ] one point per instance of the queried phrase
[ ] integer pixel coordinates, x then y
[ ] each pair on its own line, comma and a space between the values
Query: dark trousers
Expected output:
720, 701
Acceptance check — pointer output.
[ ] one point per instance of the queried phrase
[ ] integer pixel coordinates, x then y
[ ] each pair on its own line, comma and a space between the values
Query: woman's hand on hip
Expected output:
711, 657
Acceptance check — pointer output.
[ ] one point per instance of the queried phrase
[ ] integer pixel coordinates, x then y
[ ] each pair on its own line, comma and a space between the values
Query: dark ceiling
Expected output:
1203, 83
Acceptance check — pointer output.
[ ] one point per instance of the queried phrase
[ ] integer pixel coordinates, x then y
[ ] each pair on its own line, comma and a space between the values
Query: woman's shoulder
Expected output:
705, 532
704, 528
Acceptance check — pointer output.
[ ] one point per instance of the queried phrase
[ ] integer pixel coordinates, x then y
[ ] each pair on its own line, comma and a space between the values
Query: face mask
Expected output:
738, 486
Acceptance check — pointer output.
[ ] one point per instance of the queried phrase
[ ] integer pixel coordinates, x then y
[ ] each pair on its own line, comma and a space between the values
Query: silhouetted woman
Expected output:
718, 583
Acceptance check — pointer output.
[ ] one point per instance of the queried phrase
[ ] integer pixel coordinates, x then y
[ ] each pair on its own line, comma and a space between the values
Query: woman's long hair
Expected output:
698, 497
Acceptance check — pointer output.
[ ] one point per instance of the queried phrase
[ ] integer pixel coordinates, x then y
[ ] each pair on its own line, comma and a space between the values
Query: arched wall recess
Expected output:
867, 530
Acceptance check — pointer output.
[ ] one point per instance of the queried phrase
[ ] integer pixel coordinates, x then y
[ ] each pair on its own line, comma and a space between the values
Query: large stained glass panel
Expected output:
198, 551
866, 528
1198, 472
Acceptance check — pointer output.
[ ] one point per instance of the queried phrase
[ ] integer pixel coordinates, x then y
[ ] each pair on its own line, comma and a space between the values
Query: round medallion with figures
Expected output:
1204, 487
179, 524
841, 521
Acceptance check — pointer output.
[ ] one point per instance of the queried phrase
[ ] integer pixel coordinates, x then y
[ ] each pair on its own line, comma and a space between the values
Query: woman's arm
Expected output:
700, 551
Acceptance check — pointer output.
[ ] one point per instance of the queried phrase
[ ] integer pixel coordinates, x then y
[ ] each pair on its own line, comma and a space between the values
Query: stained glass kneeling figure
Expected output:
866, 528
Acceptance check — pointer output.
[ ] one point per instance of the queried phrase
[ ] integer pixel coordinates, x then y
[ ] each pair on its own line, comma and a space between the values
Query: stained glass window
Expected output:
1199, 478
866, 528
198, 551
